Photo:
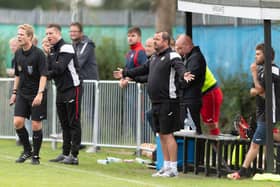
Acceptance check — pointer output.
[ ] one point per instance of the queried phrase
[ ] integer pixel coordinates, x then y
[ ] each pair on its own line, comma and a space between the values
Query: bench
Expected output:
211, 153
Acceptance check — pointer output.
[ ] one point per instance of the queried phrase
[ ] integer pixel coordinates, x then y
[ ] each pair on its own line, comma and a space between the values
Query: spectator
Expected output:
164, 70
63, 68
29, 93
258, 90
14, 46
136, 56
84, 48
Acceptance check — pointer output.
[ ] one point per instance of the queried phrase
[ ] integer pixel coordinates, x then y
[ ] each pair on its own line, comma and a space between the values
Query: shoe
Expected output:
160, 172
59, 158
170, 173
23, 156
70, 160
233, 176
35, 160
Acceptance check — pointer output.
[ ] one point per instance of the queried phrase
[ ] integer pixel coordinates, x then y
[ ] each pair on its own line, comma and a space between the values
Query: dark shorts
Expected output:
166, 117
260, 134
23, 108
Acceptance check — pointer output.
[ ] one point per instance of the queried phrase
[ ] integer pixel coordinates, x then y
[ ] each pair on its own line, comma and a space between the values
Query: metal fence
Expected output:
110, 116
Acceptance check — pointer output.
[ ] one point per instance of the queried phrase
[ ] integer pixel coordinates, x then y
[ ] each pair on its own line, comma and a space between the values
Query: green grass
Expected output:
89, 173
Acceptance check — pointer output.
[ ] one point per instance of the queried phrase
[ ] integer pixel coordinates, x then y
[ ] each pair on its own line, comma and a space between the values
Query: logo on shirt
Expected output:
19, 68
29, 70
162, 58
131, 56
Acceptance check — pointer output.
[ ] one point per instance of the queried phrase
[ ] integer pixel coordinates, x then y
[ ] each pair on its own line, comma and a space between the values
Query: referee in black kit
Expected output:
29, 93
63, 69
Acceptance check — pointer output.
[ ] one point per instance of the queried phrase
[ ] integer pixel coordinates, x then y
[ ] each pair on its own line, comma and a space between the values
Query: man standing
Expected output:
258, 90
29, 93
63, 68
164, 69
136, 56
195, 63
84, 48
212, 99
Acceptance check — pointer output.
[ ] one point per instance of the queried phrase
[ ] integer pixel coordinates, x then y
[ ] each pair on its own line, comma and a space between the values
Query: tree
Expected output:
165, 15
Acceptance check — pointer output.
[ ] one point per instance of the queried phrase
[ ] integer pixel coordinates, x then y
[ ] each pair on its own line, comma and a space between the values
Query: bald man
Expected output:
212, 96
195, 63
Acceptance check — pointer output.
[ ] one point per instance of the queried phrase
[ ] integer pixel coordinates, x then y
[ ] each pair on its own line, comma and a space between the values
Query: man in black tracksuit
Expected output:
191, 92
63, 68
164, 70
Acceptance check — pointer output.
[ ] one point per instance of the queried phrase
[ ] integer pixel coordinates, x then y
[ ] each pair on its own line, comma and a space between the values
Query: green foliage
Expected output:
236, 98
2, 58
108, 58
31, 4
125, 4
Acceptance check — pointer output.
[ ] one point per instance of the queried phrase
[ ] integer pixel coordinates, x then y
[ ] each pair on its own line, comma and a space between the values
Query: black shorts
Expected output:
166, 117
23, 108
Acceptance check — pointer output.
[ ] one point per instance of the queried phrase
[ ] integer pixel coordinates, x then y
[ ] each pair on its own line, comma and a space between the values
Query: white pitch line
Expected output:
89, 172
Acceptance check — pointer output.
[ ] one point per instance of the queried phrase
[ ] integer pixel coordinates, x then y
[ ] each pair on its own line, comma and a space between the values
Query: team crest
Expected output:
29, 70
131, 56
19, 68
162, 58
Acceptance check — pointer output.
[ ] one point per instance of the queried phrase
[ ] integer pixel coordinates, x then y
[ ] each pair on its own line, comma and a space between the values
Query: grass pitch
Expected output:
89, 173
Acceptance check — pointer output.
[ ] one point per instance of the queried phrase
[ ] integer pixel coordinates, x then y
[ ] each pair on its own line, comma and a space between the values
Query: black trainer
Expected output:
59, 158
35, 160
23, 157
71, 160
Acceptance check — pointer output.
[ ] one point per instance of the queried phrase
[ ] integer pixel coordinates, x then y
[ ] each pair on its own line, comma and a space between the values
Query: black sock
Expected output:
24, 138
243, 171
37, 142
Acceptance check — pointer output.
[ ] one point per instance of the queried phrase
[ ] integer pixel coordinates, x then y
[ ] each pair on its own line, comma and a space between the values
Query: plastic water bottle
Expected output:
104, 162
113, 159
188, 122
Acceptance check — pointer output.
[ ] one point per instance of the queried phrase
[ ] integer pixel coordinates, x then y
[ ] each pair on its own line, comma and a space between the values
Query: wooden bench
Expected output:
211, 153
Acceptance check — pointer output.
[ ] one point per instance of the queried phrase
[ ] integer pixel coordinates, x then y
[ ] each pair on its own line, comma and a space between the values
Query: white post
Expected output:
93, 149
138, 136
54, 141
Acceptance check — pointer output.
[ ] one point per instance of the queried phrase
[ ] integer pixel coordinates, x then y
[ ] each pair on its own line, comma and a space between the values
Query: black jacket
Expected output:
196, 64
164, 70
63, 68
85, 50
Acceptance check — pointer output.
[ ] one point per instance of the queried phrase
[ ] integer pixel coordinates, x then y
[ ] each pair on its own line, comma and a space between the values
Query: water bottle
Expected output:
188, 122
104, 162
114, 160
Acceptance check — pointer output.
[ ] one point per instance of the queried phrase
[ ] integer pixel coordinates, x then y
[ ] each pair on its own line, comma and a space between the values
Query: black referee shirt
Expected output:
30, 66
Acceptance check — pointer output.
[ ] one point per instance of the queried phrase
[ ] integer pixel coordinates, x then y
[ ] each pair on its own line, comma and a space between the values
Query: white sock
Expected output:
173, 165
166, 164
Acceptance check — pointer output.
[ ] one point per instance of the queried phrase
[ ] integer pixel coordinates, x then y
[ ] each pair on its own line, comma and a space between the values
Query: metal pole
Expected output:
138, 136
188, 23
268, 97
54, 141
95, 123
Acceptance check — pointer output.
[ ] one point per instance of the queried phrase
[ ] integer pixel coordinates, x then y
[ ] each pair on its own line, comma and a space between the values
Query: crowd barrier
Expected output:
110, 116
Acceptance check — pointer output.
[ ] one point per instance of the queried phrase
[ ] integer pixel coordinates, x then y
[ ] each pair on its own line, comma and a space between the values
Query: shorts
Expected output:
211, 105
166, 117
23, 108
260, 134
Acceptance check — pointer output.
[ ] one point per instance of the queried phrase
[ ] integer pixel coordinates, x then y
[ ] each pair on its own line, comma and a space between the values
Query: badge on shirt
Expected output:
162, 58
131, 56
19, 68
29, 70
